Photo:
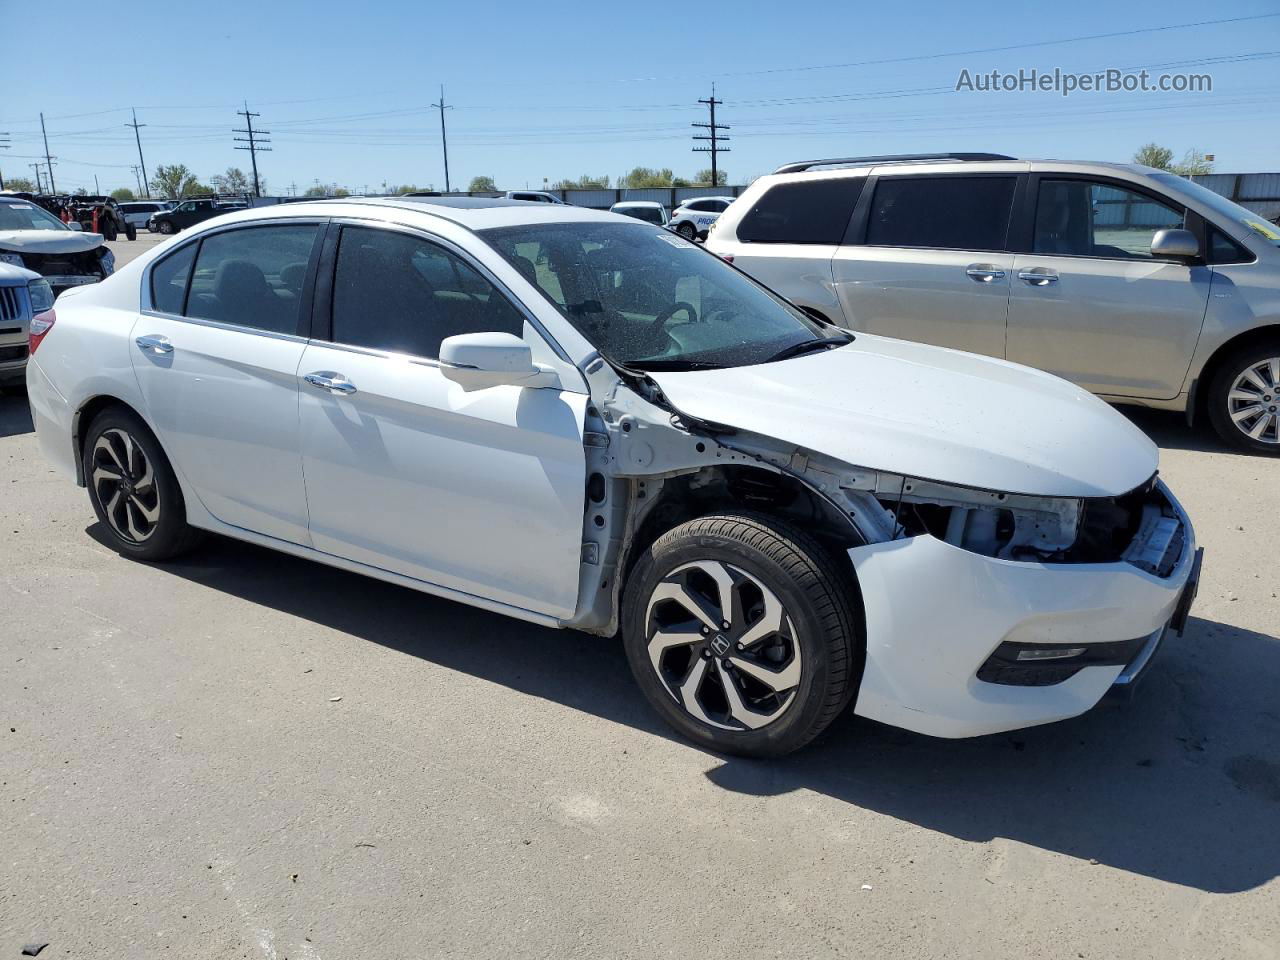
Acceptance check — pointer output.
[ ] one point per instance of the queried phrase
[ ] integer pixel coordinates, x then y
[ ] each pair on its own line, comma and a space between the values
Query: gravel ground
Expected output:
179, 778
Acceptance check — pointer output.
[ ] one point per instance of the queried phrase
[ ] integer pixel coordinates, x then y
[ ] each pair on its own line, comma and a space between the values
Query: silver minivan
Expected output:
1137, 284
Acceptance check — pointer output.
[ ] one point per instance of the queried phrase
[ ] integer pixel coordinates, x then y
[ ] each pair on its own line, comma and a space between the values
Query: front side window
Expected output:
397, 292
252, 277
946, 213
803, 211
1080, 218
650, 299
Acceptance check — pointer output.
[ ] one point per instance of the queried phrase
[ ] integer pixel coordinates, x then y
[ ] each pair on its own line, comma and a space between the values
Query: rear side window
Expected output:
806, 211
169, 280
950, 213
393, 291
253, 277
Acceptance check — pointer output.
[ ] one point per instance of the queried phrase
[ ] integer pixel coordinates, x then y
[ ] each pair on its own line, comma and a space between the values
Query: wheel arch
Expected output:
85, 415
1199, 403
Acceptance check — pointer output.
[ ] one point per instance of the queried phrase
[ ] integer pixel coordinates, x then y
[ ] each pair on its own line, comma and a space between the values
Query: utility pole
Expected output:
142, 163
47, 159
254, 141
715, 149
138, 177
39, 184
4, 145
293, 189
444, 142
97, 190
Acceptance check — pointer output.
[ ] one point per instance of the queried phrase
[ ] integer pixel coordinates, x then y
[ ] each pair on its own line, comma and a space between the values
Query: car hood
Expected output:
48, 241
10, 275
930, 413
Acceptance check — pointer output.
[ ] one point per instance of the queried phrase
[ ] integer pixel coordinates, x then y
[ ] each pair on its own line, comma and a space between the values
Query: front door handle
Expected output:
155, 343
1039, 276
333, 382
984, 272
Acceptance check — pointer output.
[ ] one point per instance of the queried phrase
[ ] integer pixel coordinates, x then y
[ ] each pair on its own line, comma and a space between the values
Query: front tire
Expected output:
741, 635
131, 231
1244, 397
109, 231
167, 228
133, 488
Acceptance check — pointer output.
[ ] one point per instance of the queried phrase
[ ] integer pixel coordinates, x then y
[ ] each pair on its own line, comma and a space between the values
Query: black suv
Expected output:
190, 212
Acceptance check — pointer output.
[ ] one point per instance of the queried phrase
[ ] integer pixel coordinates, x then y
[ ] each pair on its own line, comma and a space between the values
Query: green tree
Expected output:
404, 188
341, 192
646, 177
233, 181
123, 195
704, 176
20, 185
316, 192
1194, 163
1154, 155
176, 181
584, 182
481, 185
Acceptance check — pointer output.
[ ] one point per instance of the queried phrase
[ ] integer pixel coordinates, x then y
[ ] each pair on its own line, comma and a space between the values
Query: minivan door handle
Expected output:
1039, 276
984, 272
155, 343
333, 382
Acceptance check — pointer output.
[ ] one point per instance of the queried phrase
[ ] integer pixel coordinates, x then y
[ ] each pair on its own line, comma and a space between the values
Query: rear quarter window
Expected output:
804, 211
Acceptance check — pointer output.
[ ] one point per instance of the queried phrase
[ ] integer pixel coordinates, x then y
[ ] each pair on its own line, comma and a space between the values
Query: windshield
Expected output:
27, 216
647, 214
650, 299
1221, 205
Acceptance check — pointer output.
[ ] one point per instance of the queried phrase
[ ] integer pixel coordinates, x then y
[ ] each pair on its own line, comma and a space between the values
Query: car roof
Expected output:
472, 213
636, 203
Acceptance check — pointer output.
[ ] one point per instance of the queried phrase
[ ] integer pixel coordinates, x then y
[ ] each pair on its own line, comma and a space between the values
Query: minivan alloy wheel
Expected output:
125, 484
1253, 401
722, 645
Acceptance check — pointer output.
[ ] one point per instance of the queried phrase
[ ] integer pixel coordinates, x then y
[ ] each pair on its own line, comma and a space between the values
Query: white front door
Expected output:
479, 492
217, 361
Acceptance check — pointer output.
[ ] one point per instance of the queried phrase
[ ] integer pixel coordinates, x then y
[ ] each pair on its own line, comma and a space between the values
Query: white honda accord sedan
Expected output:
586, 421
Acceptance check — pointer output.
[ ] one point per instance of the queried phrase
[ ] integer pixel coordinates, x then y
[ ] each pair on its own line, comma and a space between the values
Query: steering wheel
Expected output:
661, 319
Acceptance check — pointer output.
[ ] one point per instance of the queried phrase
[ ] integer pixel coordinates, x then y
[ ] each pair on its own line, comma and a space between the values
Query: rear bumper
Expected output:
52, 417
935, 614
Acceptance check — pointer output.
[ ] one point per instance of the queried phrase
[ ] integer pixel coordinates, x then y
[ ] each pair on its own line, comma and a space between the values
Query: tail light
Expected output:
41, 324
727, 257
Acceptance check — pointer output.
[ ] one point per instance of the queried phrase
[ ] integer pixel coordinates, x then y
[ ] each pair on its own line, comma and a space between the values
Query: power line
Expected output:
254, 142
713, 136
444, 141
138, 140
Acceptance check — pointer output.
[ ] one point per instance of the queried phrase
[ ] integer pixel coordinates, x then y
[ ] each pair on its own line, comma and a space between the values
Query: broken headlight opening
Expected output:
1141, 527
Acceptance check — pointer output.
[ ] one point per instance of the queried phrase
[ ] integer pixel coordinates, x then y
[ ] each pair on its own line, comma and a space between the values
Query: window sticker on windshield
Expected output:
674, 239
1266, 229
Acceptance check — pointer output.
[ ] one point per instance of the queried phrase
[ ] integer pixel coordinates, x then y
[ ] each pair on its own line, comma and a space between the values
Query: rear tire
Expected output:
131, 231
133, 489
167, 228
740, 631
1244, 397
109, 231
687, 230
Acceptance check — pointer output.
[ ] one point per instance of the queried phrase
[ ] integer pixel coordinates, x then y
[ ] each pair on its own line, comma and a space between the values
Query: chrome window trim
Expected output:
450, 246
146, 306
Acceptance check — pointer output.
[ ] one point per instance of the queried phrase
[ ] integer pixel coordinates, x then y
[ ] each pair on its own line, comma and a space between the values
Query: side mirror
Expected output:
476, 361
1175, 245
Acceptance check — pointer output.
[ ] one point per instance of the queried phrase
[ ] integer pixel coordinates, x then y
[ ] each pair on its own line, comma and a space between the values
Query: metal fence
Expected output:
669, 197
1259, 192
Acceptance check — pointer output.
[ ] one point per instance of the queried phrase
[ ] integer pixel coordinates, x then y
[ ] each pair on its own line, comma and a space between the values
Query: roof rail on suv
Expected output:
889, 158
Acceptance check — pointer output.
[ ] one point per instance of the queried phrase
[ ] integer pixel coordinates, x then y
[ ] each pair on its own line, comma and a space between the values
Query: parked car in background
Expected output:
32, 237
695, 216
649, 211
534, 196
138, 212
1139, 285
187, 213
95, 214
589, 422
24, 295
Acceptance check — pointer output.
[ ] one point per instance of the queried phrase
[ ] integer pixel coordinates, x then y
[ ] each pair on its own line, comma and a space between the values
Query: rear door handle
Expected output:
1039, 276
155, 343
333, 382
984, 272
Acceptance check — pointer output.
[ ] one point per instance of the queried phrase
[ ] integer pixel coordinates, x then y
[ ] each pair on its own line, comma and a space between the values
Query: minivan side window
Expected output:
169, 280
253, 276
802, 211
1082, 218
949, 213
397, 292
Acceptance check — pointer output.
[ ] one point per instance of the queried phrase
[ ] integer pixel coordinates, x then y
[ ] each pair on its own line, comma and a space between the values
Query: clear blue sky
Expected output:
559, 89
